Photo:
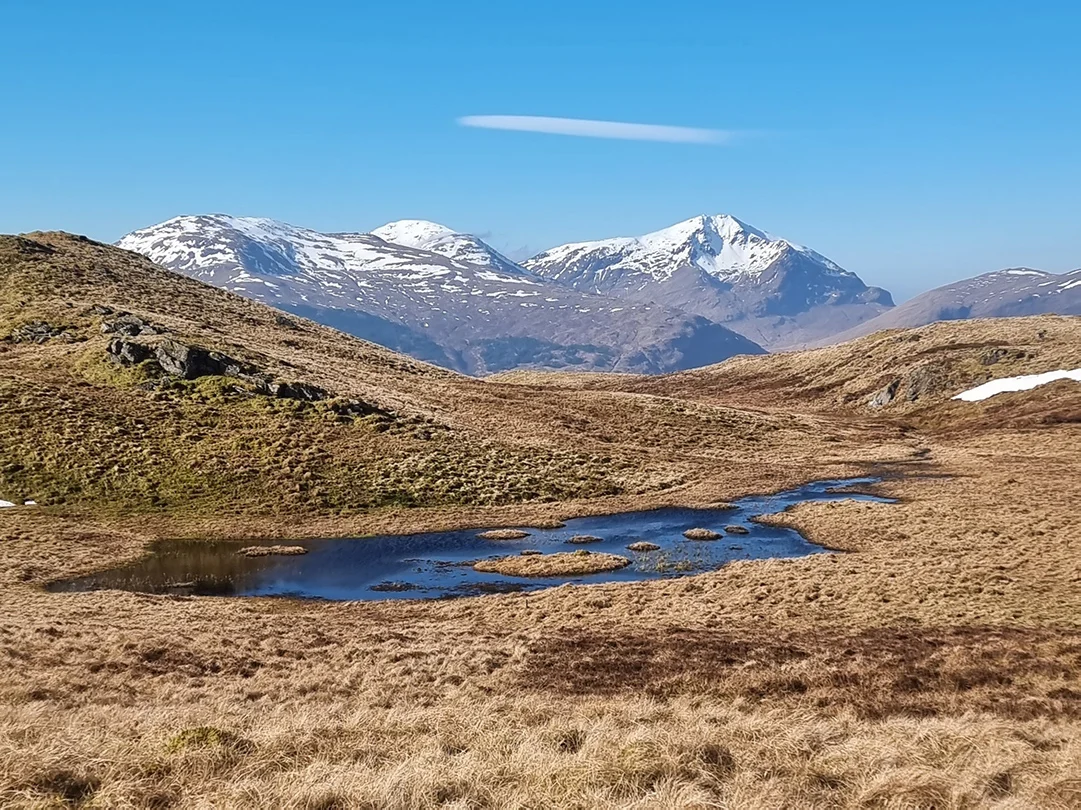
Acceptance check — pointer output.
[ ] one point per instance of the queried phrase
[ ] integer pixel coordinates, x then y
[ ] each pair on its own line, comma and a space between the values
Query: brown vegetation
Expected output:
935, 663
584, 539
701, 534
272, 551
503, 534
560, 564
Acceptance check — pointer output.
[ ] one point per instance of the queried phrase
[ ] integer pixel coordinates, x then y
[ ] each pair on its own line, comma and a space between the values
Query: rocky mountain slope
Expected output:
437, 295
770, 290
1003, 293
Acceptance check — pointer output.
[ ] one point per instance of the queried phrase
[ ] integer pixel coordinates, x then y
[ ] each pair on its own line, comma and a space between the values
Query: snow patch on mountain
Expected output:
721, 245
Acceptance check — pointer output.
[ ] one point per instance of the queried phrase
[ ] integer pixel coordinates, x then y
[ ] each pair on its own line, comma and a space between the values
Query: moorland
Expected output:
933, 660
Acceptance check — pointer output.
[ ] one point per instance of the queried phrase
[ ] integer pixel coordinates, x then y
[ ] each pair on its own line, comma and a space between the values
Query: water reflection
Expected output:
438, 565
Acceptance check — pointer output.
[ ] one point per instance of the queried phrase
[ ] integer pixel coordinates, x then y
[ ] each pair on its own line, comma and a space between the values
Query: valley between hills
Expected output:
932, 659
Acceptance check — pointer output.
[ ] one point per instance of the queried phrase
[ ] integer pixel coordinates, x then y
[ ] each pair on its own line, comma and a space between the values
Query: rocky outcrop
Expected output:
190, 362
128, 352
39, 332
921, 383
128, 325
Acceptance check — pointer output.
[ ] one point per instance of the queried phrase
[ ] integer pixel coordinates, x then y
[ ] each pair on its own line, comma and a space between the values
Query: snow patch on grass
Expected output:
1023, 383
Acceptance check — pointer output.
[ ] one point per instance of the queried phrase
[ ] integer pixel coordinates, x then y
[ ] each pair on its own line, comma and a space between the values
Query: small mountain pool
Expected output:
440, 565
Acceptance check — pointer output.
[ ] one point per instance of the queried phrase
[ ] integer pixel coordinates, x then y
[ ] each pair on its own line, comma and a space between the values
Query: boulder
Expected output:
127, 352
885, 396
298, 390
925, 381
129, 325
39, 332
192, 362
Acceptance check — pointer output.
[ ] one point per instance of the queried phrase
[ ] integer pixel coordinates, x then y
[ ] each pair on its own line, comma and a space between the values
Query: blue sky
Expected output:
913, 143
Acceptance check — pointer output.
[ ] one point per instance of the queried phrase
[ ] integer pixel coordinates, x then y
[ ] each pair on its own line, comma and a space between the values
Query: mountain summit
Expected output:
439, 295
769, 289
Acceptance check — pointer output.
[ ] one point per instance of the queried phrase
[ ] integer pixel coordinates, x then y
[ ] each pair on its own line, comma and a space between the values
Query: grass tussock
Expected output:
552, 565
503, 534
701, 534
276, 550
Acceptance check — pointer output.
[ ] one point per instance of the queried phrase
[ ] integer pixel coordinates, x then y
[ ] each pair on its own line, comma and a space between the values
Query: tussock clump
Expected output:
548, 524
503, 534
734, 529
272, 551
584, 539
552, 565
643, 545
207, 737
701, 534
529, 552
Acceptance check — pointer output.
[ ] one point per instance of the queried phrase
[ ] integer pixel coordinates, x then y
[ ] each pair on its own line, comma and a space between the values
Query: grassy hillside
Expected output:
934, 661
79, 431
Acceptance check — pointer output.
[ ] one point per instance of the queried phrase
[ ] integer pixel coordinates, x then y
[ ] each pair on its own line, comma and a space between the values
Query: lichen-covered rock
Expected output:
128, 352
39, 332
192, 362
885, 396
129, 325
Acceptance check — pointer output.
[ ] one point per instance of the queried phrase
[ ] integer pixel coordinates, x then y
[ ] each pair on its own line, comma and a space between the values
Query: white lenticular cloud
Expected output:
584, 128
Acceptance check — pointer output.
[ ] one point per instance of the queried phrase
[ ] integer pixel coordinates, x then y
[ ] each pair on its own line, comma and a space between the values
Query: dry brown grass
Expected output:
560, 564
271, 551
935, 663
701, 534
503, 534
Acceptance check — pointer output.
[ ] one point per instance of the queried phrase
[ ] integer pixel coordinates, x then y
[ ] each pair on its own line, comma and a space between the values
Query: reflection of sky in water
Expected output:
439, 564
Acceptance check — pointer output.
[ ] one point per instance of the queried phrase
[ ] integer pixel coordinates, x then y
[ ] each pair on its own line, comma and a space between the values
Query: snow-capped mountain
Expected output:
438, 295
1001, 294
774, 291
462, 247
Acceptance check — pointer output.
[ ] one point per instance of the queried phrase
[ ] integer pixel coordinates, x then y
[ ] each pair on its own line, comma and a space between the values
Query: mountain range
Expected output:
693, 294
438, 295
1001, 294
689, 295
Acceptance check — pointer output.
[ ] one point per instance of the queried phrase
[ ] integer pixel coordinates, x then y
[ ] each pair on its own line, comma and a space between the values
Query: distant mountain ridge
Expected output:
434, 293
771, 290
1012, 292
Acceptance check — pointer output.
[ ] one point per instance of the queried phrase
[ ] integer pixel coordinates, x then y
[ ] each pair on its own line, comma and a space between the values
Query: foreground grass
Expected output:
935, 663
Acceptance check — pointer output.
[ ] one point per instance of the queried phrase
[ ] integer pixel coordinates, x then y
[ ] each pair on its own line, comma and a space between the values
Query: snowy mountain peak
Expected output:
461, 247
442, 296
719, 244
415, 233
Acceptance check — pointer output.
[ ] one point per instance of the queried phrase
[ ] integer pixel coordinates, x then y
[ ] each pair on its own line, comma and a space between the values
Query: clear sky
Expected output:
912, 142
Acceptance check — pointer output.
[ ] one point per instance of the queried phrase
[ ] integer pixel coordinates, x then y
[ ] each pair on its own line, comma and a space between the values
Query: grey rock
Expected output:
130, 325
886, 395
925, 381
128, 353
191, 362
39, 332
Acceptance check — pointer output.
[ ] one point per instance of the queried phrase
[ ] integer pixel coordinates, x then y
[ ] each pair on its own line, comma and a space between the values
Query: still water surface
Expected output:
438, 565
